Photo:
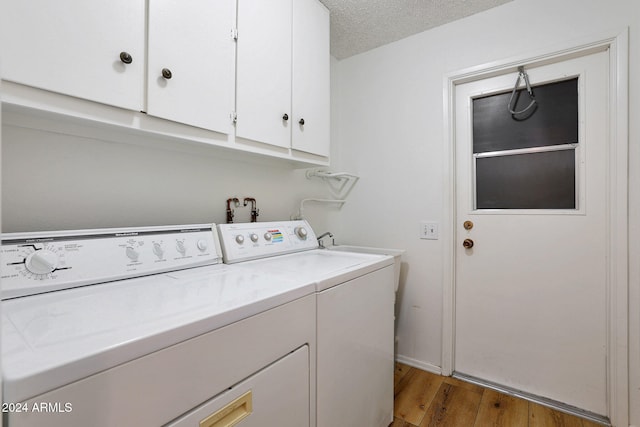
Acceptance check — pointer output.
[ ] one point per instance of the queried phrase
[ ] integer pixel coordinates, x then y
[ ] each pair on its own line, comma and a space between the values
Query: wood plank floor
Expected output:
423, 399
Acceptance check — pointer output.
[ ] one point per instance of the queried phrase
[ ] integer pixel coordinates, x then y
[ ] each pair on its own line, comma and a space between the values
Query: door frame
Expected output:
617, 207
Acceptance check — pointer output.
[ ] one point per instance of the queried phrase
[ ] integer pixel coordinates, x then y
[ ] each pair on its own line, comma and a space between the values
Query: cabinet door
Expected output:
74, 47
263, 96
193, 41
311, 77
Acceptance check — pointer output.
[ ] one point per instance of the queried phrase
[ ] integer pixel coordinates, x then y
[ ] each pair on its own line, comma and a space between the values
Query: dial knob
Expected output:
132, 254
202, 245
239, 239
301, 232
180, 247
42, 262
267, 236
254, 237
158, 250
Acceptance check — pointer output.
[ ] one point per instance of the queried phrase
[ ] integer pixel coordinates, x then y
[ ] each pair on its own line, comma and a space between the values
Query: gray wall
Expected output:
52, 181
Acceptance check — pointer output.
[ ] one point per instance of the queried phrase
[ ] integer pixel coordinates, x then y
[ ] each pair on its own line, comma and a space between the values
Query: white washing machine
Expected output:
147, 327
355, 315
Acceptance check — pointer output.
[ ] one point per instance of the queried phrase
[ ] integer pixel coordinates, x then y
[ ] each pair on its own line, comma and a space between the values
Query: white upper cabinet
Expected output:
263, 97
191, 71
250, 75
311, 78
87, 49
282, 84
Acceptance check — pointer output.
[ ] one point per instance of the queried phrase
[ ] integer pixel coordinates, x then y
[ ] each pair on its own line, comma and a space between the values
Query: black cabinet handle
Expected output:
285, 117
166, 73
126, 58
301, 121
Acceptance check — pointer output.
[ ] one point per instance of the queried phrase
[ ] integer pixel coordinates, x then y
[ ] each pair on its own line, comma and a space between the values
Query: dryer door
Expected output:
278, 395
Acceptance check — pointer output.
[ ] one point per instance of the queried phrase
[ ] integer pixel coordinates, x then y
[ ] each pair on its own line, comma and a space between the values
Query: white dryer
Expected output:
355, 315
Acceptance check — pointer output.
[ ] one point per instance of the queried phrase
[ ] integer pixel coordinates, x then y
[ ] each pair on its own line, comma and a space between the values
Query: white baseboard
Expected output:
419, 364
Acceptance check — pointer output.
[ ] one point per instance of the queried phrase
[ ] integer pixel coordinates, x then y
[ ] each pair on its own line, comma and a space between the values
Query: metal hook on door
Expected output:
522, 74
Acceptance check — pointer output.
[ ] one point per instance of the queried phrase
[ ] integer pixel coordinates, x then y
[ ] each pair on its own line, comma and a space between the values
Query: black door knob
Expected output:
126, 58
301, 121
285, 117
166, 73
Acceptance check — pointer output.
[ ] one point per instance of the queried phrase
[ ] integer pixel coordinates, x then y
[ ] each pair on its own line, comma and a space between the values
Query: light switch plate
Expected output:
429, 230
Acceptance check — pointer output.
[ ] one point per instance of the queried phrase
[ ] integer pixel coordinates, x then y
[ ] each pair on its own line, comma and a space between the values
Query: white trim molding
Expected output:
617, 215
434, 369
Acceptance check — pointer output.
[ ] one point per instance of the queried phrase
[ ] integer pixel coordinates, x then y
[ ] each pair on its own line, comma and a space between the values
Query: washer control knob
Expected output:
254, 237
158, 250
301, 232
202, 245
132, 254
239, 239
181, 247
267, 236
42, 262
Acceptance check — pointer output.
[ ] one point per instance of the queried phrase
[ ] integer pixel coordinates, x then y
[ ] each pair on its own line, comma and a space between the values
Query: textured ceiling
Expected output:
361, 25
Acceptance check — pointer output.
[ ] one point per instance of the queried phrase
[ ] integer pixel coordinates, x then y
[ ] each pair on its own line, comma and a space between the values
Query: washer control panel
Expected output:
33, 263
253, 240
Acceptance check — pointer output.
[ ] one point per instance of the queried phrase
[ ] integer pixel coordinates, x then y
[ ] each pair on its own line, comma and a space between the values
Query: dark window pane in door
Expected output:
543, 180
552, 121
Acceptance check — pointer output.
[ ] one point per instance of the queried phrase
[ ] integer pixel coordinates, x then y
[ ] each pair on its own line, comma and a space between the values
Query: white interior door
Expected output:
531, 294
